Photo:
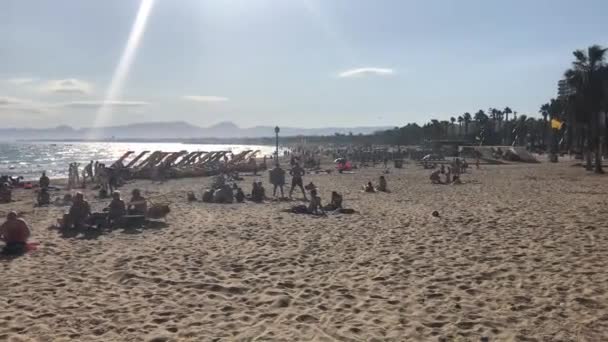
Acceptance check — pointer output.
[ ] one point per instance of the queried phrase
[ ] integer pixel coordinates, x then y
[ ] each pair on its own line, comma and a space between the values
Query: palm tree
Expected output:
507, 111
467, 119
585, 77
544, 111
481, 116
452, 120
460, 120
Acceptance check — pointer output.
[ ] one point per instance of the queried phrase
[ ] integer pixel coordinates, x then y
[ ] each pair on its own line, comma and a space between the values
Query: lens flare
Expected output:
122, 69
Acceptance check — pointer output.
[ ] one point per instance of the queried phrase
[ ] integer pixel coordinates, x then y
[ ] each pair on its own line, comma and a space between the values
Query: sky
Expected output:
299, 63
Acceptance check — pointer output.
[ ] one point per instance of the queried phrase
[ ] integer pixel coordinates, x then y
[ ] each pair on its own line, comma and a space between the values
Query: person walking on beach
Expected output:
297, 172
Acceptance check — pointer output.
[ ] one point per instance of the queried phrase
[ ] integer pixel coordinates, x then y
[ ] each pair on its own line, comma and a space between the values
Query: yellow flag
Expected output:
556, 124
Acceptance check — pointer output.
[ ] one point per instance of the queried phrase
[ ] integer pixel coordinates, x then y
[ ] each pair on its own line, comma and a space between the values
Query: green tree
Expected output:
586, 77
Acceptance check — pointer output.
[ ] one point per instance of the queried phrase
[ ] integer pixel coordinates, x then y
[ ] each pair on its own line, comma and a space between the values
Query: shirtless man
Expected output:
44, 181
117, 208
14, 232
297, 172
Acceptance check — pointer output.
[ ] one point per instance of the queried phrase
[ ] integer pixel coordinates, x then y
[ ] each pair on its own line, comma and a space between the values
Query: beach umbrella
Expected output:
340, 160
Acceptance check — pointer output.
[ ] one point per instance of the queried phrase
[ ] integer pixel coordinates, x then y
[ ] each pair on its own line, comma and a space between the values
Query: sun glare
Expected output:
126, 60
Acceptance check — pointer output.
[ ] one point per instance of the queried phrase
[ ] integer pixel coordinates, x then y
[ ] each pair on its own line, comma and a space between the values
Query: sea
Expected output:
30, 159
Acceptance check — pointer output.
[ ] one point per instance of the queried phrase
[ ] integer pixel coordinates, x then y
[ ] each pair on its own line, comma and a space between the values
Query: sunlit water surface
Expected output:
30, 159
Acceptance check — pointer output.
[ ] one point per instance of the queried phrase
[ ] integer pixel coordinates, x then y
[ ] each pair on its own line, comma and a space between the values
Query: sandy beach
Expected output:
518, 253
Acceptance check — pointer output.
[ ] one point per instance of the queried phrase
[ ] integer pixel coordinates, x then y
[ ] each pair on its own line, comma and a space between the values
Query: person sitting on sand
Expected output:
239, 196
138, 204
6, 194
262, 190
117, 208
369, 187
79, 212
435, 177
257, 192
44, 181
315, 207
382, 186
14, 232
336, 202
44, 198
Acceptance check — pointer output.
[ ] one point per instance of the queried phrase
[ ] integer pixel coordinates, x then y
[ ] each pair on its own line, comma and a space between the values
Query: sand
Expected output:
518, 253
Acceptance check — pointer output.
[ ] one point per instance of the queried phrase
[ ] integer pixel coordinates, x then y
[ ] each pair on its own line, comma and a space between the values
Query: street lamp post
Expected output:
276, 131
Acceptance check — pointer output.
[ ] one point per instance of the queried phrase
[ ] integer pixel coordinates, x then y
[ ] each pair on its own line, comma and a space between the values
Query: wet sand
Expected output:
518, 253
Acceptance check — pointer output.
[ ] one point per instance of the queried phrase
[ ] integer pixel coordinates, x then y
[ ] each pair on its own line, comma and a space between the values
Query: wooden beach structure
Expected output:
167, 165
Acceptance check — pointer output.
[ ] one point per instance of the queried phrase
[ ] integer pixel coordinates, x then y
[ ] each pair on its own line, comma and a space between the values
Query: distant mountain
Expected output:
170, 130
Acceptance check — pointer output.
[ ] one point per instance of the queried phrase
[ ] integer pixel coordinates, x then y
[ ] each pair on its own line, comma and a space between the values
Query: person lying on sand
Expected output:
117, 209
44, 181
382, 186
369, 187
6, 194
138, 204
78, 214
435, 177
14, 232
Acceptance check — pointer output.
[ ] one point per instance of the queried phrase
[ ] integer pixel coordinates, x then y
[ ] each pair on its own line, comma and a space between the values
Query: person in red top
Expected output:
14, 232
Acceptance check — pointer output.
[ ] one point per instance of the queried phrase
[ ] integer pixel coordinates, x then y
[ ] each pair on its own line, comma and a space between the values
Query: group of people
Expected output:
382, 186
451, 172
277, 179
81, 216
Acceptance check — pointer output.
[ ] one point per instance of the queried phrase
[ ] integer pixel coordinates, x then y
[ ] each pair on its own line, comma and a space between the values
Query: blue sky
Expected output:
307, 63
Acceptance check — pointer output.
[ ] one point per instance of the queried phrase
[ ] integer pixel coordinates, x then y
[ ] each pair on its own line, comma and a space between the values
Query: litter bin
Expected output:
398, 163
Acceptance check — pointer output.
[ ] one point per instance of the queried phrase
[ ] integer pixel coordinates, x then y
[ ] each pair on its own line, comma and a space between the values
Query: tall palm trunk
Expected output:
597, 145
587, 149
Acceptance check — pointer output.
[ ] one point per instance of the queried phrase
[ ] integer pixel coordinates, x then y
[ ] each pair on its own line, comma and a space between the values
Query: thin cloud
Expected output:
362, 72
12, 105
97, 104
9, 101
21, 80
202, 98
68, 86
